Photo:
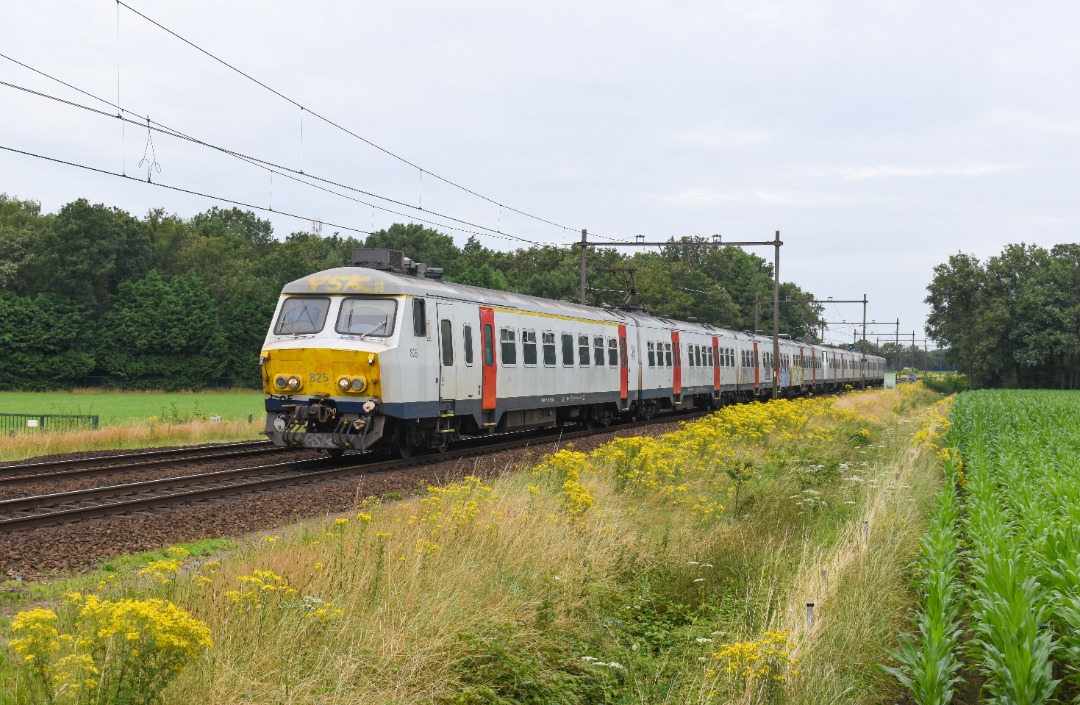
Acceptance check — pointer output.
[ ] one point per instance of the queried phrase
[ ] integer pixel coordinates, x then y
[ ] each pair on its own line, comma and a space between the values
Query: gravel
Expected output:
40, 553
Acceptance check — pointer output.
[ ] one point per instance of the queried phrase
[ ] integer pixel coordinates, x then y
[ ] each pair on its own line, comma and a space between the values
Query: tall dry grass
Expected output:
22, 445
566, 584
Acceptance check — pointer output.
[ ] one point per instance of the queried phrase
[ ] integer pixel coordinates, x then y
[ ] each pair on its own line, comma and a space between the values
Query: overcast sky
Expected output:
878, 137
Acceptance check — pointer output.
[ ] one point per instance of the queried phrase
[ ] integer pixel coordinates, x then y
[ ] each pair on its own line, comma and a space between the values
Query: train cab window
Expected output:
301, 315
549, 348
419, 318
446, 339
467, 335
567, 350
667, 354
583, 350
508, 346
367, 317
613, 352
598, 350
489, 346
528, 347
651, 347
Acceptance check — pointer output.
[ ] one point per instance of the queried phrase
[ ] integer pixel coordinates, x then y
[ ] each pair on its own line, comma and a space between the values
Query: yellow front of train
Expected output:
320, 362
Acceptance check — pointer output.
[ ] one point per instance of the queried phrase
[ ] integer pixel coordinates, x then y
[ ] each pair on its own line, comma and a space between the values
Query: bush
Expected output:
947, 384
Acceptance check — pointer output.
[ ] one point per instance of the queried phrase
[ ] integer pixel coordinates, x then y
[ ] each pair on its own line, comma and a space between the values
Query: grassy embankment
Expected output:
132, 420
674, 569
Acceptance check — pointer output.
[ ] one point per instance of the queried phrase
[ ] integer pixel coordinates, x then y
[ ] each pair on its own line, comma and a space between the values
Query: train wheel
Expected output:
403, 448
335, 452
444, 444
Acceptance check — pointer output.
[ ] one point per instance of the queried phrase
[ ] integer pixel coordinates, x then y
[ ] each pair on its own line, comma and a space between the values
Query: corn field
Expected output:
999, 570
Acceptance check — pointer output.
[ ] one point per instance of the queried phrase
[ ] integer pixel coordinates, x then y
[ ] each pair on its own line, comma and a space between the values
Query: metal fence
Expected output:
45, 422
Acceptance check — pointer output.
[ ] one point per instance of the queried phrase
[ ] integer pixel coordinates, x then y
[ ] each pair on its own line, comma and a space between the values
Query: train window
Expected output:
567, 350
419, 318
598, 350
549, 348
489, 346
468, 344
622, 353
651, 347
690, 349
508, 346
698, 354
528, 347
613, 352
583, 350
367, 317
446, 338
710, 360
667, 354
302, 316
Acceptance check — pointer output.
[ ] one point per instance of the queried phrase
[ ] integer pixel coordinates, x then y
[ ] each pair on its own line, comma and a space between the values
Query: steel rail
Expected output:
57, 513
133, 462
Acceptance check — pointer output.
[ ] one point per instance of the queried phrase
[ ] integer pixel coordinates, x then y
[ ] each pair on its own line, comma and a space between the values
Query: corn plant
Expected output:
928, 659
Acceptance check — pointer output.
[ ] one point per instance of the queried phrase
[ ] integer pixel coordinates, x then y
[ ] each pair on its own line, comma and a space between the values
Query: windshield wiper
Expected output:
282, 323
381, 325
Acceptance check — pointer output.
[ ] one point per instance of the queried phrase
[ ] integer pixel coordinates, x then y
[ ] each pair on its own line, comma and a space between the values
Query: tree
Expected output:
21, 227
419, 244
42, 342
88, 250
163, 334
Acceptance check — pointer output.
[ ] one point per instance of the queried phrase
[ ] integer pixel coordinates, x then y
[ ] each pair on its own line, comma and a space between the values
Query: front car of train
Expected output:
331, 345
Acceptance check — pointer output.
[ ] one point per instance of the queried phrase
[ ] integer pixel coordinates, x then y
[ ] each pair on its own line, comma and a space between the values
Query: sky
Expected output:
879, 137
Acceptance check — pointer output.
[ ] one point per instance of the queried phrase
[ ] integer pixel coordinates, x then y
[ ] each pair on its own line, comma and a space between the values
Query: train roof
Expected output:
374, 282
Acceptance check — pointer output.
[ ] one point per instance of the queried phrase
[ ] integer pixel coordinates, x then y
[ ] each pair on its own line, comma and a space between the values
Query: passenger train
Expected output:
385, 354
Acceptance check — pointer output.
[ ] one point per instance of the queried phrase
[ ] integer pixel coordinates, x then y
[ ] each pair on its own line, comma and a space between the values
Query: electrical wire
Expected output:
335, 124
180, 189
271, 167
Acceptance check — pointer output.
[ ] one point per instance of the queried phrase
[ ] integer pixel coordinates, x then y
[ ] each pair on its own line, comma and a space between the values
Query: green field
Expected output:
115, 408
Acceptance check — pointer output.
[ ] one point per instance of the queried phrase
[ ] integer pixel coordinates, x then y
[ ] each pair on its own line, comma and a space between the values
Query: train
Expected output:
385, 354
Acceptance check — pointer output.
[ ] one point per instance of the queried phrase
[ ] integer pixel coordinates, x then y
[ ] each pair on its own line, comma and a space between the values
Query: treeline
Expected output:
94, 295
1013, 320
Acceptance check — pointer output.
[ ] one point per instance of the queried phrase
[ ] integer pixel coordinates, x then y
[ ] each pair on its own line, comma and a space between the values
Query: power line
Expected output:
330, 122
180, 189
271, 167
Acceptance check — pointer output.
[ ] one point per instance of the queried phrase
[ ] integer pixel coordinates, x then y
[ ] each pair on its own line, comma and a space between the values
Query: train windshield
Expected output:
364, 317
302, 316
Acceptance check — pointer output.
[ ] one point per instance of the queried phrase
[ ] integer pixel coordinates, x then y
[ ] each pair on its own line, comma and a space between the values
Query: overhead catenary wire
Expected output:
334, 124
273, 168
179, 189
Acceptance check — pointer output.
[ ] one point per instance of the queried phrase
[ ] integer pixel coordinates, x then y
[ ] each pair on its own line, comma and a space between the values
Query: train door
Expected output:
487, 358
716, 365
624, 368
757, 368
676, 372
451, 356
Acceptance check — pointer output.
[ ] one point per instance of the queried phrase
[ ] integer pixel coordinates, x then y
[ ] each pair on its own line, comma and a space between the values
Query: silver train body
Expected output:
359, 358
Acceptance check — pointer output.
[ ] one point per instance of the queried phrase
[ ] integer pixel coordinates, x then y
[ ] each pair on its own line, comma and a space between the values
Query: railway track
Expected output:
92, 503
86, 467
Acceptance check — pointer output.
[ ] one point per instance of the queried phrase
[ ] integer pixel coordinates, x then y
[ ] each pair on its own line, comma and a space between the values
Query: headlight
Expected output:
281, 382
294, 383
343, 384
358, 384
